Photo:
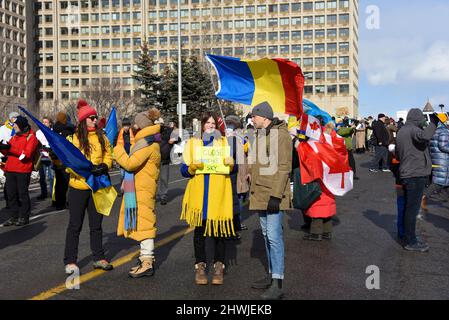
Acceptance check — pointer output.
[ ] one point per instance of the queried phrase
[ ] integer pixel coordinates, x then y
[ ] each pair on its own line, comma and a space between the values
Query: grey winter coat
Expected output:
412, 146
439, 152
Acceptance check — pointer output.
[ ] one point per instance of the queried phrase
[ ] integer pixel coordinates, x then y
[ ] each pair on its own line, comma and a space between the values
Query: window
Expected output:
332, 75
308, 48
319, 75
296, 21
273, 8
344, 4
344, 60
284, 7
319, 47
296, 35
296, 48
319, 20
320, 61
308, 62
250, 24
273, 50
332, 4
296, 7
320, 5
343, 18
343, 46
284, 35
332, 18
308, 89
319, 89
331, 47
308, 6
284, 22
261, 50
261, 36
261, 23
285, 49
250, 10
343, 74
308, 20
344, 88
262, 9
272, 36
331, 33
332, 89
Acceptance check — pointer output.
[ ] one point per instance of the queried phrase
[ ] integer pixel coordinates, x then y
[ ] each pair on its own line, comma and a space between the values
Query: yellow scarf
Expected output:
219, 220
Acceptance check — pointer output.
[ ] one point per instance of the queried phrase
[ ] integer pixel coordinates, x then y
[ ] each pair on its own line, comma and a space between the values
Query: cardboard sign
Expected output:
213, 158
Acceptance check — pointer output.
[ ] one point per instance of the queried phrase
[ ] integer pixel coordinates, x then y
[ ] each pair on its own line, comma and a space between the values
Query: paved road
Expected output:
31, 256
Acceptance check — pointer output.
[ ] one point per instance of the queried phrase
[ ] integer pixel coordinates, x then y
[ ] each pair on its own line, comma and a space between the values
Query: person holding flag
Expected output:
93, 144
137, 214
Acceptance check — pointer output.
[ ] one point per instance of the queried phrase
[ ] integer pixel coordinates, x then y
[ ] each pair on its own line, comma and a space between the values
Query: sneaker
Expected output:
10, 222
327, 236
22, 222
264, 283
71, 268
386, 170
103, 265
144, 268
418, 246
374, 170
200, 274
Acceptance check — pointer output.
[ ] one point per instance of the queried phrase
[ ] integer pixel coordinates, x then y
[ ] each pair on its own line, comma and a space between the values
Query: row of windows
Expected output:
65, 95
13, 77
85, 4
105, 43
251, 37
283, 7
12, 21
331, 89
12, 49
12, 34
240, 24
13, 92
12, 7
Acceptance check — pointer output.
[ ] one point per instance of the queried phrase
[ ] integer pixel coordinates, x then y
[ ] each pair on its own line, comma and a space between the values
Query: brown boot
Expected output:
144, 269
218, 273
200, 273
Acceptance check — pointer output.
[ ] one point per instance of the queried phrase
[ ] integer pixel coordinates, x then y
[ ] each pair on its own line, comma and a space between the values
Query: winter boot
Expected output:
264, 283
103, 265
274, 292
200, 273
10, 222
144, 268
217, 277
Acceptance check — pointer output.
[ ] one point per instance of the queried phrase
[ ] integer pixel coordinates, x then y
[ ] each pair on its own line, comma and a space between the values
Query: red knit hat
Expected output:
85, 110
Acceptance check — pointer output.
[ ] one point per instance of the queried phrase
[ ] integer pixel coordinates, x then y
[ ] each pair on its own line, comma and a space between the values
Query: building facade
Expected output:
16, 55
91, 43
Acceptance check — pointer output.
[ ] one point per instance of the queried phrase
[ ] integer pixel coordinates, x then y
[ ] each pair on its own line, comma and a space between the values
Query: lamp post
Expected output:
179, 72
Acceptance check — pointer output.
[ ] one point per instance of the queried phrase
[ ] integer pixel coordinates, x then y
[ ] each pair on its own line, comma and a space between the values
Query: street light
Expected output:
179, 72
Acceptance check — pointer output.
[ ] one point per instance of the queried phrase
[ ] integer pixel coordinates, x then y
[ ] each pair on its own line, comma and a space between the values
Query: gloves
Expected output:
195, 166
6, 146
228, 161
100, 169
434, 119
3, 159
273, 205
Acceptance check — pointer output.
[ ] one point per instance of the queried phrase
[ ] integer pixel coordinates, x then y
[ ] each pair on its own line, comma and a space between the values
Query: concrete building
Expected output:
16, 55
87, 43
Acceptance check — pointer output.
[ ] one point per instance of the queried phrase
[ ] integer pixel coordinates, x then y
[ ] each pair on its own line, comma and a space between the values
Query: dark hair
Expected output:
206, 116
83, 136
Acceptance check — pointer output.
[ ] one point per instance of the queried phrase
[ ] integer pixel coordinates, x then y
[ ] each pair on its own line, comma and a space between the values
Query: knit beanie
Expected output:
147, 118
126, 122
22, 123
85, 110
263, 110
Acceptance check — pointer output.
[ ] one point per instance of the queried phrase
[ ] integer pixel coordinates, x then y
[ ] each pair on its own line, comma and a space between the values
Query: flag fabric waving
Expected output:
325, 157
73, 159
312, 109
111, 127
278, 81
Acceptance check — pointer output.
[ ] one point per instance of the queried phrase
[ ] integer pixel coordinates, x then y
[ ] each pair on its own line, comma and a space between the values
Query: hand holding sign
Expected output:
213, 159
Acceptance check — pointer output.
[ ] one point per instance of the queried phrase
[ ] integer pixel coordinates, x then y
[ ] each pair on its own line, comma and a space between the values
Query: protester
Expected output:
94, 145
125, 139
399, 188
63, 127
439, 153
415, 167
270, 193
20, 151
347, 131
360, 136
380, 138
45, 168
400, 123
169, 136
137, 216
6, 133
207, 202
369, 134
392, 130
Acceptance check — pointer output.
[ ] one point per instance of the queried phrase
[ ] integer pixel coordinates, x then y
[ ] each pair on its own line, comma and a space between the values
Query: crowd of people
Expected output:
213, 201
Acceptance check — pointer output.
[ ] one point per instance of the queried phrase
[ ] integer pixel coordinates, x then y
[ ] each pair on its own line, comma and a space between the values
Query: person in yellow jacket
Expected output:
207, 204
94, 145
137, 215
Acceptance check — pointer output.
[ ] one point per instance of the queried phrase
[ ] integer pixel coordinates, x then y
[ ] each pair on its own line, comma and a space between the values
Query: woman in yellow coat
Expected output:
94, 145
137, 215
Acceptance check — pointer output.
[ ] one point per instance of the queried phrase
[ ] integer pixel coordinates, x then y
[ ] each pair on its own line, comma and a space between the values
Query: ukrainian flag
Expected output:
278, 81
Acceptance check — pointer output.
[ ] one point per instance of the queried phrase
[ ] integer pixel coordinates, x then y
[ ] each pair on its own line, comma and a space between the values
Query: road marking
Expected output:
96, 273
46, 214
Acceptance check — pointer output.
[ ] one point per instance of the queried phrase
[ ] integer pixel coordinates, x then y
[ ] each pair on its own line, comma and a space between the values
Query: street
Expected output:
32, 256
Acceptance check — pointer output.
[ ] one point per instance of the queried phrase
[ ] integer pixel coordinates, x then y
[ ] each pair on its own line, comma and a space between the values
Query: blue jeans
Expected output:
272, 231
413, 192
46, 173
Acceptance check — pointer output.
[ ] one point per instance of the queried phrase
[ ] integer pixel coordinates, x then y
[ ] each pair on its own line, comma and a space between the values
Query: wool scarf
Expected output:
129, 187
219, 215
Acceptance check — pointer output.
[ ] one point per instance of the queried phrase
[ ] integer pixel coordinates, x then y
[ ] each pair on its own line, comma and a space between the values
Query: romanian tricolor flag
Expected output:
278, 81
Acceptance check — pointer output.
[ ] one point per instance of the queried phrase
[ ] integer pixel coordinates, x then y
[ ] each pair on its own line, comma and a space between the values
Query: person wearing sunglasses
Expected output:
92, 142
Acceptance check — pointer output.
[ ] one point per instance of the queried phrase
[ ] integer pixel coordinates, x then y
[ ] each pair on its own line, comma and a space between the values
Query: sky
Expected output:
405, 59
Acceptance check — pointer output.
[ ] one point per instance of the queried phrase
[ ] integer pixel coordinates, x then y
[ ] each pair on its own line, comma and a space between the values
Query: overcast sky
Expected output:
406, 60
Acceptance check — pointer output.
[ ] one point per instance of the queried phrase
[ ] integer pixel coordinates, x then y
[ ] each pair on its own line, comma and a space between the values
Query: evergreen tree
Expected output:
149, 80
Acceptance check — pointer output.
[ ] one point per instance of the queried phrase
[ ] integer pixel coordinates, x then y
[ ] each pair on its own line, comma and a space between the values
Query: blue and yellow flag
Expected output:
111, 127
71, 157
313, 110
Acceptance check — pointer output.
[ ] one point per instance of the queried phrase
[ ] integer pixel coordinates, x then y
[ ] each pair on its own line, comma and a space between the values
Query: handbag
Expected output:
304, 195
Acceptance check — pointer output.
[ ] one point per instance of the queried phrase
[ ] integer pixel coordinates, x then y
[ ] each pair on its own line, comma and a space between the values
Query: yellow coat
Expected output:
96, 157
145, 164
